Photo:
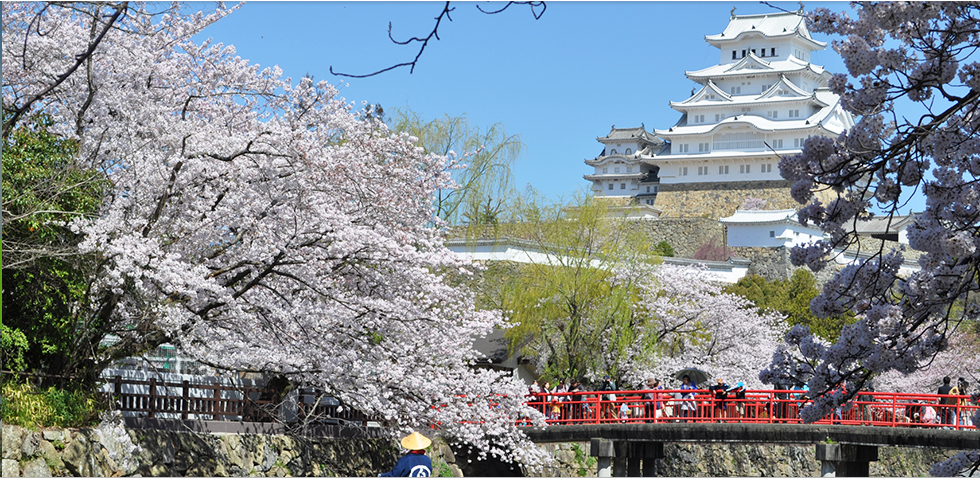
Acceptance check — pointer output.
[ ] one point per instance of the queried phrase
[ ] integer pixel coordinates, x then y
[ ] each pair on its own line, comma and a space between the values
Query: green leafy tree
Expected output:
44, 189
664, 249
484, 182
791, 298
574, 314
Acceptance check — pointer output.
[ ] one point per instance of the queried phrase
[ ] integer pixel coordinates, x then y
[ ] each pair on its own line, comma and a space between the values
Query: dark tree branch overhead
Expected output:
435, 34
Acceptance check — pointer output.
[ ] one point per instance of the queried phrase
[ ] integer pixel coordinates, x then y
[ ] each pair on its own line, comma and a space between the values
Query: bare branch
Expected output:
435, 34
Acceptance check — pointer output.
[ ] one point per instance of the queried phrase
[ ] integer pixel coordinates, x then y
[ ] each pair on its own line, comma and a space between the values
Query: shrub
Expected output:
25, 406
664, 249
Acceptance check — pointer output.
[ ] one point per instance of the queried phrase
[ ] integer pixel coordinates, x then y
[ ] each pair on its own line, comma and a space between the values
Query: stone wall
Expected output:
745, 460
82, 453
720, 199
685, 235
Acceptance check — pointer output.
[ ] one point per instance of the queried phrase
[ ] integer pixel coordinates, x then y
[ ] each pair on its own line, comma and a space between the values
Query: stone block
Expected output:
51, 456
13, 439
53, 435
11, 468
32, 440
37, 468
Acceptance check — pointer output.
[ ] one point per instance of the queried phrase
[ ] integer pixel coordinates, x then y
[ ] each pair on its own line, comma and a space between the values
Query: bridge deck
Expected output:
760, 433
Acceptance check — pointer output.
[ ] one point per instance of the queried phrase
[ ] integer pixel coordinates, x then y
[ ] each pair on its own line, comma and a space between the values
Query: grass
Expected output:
26, 406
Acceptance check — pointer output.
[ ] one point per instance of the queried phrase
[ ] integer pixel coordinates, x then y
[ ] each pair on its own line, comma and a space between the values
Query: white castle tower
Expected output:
760, 102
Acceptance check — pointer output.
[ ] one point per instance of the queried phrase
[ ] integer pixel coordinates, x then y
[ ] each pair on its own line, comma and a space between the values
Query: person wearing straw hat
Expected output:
415, 463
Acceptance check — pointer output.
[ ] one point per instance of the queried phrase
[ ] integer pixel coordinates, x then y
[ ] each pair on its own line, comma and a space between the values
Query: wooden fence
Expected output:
155, 398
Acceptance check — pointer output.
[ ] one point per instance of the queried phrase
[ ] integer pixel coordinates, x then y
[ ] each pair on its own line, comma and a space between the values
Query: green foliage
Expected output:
566, 311
584, 462
27, 406
791, 298
485, 184
43, 190
14, 347
443, 470
664, 249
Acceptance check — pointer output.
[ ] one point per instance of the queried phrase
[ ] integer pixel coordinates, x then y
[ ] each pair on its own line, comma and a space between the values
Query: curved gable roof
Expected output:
768, 25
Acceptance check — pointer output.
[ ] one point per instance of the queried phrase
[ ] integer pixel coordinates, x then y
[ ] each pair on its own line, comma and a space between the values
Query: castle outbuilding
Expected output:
759, 103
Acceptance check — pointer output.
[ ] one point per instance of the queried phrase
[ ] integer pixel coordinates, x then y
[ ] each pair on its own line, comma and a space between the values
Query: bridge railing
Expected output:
757, 406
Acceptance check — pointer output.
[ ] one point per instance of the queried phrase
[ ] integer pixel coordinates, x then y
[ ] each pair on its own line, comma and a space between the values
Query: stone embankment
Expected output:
82, 453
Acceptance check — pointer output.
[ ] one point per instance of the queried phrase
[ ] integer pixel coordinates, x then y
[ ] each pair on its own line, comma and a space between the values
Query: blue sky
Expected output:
559, 82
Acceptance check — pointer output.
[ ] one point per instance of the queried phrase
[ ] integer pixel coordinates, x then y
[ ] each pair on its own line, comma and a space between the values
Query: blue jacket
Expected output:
411, 465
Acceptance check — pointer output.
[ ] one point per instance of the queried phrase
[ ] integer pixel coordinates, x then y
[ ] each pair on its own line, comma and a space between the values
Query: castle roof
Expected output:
629, 134
769, 25
753, 65
761, 217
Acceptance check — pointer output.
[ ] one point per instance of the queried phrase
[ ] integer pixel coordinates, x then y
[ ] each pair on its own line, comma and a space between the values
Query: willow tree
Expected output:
483, 183
573, 312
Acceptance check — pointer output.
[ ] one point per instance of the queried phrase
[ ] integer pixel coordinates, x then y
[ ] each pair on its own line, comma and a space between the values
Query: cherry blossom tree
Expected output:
258, 223
914, 86
696, 324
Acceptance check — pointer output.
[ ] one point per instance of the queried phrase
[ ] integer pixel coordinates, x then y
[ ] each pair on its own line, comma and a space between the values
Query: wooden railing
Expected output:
155, 398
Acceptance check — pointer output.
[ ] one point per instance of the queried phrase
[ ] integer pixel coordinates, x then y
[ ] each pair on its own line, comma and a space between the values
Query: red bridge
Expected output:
758, 406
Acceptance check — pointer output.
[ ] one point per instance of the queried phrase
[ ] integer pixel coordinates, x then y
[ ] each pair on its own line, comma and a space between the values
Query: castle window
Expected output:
622, 185
733, 55
743, 53
763, 53
605, 170
736, 90
772, 114
722, 169
682, 170
772, 234
798, 142
610, 186
766, 168
648, 188
717, 117
702, 146
702, 170
617, 170
753, 51
772, 52
629, 168
613, 151
629, 151
794, 113
744, 168
765, 87
777, 143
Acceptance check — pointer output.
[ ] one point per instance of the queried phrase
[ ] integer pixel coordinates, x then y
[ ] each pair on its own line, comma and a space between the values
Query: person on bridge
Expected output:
415, 463
689, 408
720, 393
945, 413
963, 403
653, 410
608, 409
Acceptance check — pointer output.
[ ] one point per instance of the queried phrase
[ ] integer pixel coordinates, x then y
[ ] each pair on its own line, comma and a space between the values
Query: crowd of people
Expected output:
570, 402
